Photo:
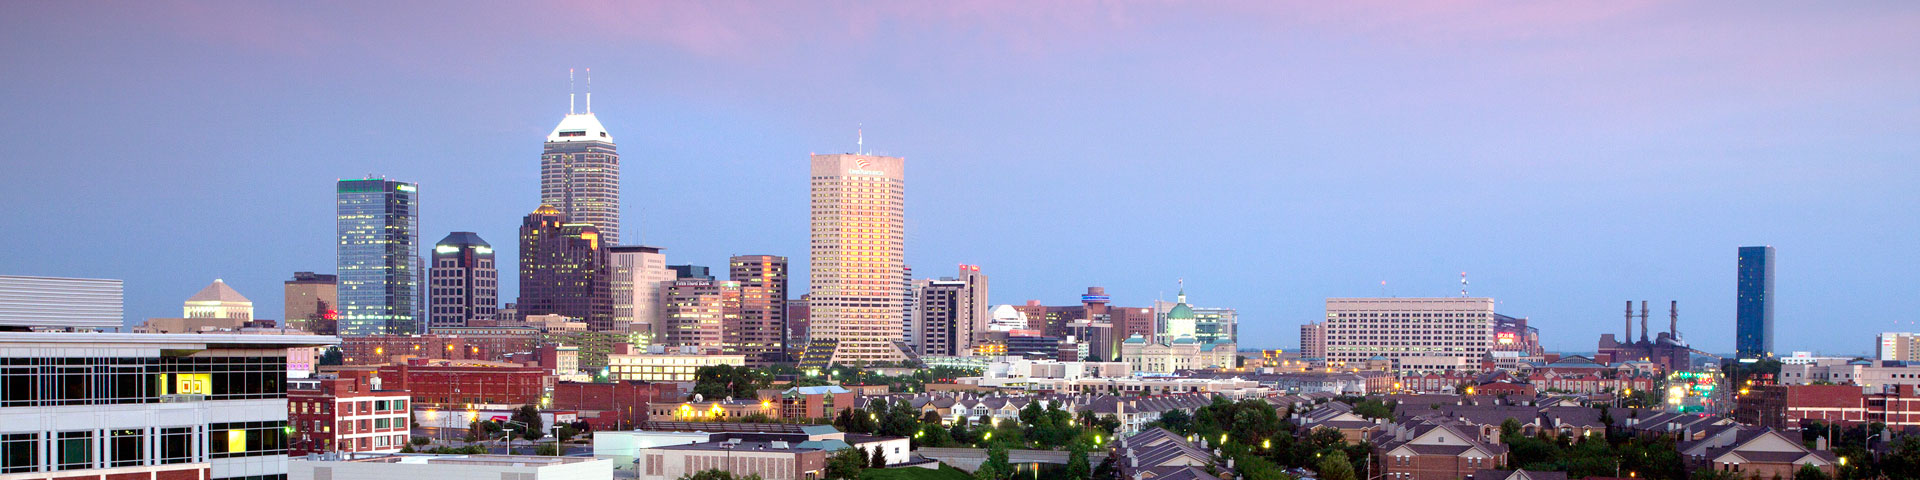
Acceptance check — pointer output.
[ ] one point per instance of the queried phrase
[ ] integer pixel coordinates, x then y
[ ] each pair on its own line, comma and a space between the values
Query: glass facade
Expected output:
379, 265
1753, 312
580, 176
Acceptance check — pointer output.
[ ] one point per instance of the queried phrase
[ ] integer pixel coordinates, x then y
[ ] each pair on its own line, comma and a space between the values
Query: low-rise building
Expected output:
1161, 454
417, 467
1430, 448
666, 364
349, 413
461, 384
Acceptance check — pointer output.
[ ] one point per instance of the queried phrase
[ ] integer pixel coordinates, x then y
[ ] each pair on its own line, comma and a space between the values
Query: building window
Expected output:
176, 445
73, 451
246, 439
127, 448
19, 452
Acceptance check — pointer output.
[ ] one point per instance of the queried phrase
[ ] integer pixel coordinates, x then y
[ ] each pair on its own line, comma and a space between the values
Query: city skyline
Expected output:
1618, 187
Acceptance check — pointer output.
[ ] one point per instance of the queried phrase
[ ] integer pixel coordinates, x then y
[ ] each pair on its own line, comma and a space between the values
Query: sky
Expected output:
1568, 156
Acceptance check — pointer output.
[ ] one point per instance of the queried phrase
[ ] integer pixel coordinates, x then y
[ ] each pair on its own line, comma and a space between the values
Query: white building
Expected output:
66, 303
218, 301
640, 279
1898, 346
104, 404
470, 467
666, 365
1358, 329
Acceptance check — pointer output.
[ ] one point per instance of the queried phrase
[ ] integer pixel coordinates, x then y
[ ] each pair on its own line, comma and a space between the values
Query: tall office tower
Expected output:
763, 306
858, 256
1898, 346
975, 311
565, 270
147, 406
640, 279
1450, 332
311, 299
703, 313
79, 304
379, 263
218, 301
939, 327
907, 301
464, 284
799, 321
580, 173
1753, 312
1313, 340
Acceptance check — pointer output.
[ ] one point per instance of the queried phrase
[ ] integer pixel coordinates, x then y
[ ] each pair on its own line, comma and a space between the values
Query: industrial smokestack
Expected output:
1629, 336
1643, 320
1673, 320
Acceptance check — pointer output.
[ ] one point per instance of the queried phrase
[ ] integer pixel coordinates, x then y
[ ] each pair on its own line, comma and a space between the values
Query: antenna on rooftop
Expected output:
569, 91
589, 90
1463, 284
860, 139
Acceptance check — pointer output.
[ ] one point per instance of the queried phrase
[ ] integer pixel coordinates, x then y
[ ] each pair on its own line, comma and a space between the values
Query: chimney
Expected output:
1629, 337
1673, 320
1643, 320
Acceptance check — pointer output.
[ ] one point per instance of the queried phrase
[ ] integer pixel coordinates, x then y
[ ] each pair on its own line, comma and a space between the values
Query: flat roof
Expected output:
741, 447
175, 340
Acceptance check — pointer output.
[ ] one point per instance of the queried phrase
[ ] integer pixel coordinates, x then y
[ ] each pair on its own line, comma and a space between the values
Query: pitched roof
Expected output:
218, 291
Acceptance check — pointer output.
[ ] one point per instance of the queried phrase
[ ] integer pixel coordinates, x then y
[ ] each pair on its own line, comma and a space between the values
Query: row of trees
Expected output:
1049, 427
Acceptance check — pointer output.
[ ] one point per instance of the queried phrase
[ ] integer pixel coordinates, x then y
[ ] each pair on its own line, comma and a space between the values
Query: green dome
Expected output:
1181, 311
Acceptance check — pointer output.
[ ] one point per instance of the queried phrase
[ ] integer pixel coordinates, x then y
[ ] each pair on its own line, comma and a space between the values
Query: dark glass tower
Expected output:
565, 269
1753, 313
462, 283
378, 261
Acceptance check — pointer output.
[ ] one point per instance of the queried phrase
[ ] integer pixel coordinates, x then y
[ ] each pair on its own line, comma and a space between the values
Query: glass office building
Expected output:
379, 263
1753, 312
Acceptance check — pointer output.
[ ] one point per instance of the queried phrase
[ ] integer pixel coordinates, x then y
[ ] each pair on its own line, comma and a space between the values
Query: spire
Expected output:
589, 90
1182, 297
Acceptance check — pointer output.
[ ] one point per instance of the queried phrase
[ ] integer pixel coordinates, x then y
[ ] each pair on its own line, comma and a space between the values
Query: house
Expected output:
1756, 452
1338, 416
1163, 455
1517, 475
1435, 448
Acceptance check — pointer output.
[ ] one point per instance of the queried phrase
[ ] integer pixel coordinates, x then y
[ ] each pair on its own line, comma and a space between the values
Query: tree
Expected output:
421, 441
1508, 429
1810, 472
717, 474
478, 431
1078, 467
720, 381
997, 460
331, 357
985, 472
1335, 466
1176, 421
878, 458
534, 429
1106, 469
846, 464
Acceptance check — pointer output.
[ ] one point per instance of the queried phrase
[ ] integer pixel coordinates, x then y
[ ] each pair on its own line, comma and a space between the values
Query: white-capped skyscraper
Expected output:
580, 172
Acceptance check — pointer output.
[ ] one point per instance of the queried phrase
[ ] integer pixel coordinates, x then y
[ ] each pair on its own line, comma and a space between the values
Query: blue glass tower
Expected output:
379, 289
1753, 312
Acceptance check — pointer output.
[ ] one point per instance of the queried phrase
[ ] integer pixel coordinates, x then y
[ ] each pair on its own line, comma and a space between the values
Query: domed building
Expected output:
1185, 342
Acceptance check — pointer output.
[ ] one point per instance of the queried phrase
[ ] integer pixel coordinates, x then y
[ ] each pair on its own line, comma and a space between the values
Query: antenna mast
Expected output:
860, 139
589, 90
1463, 284
569, 91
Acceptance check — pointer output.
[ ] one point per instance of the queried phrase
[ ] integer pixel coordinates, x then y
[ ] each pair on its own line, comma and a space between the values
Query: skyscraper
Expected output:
1753, 312
640, 280
311, 299
858, 256
580, 173
703, 313
379, 267
565, 270
463, 282
763, 306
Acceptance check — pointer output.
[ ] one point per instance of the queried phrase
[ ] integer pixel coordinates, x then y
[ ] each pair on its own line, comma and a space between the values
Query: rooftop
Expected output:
169, 340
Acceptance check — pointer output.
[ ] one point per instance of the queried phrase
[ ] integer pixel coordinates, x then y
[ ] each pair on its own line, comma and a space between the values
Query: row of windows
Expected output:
22, 452
247, 439
107, 381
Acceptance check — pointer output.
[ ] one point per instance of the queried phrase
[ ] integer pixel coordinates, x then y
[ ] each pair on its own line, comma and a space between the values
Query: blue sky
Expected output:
1568, 156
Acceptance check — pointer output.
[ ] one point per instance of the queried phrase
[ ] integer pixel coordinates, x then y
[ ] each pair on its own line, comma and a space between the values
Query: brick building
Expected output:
350, 413
463, 384
617, 405
1788, 406
1435, 449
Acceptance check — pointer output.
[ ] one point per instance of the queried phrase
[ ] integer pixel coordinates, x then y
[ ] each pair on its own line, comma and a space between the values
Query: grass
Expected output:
944, 473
